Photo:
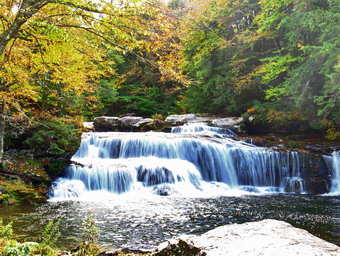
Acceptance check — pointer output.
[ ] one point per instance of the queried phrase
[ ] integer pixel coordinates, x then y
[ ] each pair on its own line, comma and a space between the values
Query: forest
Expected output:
275, 63
66, 61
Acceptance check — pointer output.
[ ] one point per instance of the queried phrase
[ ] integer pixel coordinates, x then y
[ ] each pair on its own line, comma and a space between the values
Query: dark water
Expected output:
145, 222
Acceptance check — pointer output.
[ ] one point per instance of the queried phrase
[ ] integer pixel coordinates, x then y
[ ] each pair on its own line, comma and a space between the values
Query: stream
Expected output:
140, 222
144, 188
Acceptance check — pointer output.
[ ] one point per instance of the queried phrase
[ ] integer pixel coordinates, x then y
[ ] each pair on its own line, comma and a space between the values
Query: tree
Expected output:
34, 49
219, 56
53, 52
308, 59
277, 57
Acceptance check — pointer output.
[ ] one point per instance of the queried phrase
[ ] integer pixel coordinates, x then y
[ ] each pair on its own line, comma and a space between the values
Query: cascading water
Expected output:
167, 164
333, 163
201, 127
130, 173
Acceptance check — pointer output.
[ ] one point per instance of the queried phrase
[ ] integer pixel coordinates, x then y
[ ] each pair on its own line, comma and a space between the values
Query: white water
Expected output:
333, 163
201, 128
175, 164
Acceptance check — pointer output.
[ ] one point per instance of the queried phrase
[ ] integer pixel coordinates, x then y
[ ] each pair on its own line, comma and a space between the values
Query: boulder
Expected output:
143, 122
128, 121
180, 118
143, 125
88, 126
228, 122
266, 237
106, 123
319, 149
115, 124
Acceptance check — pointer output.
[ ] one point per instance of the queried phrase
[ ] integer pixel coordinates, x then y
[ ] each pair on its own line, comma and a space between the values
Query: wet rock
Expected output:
163, 190
127, 121
257, 142
320, 149
228, 122
180, 118
27, 177
146, 124
315, 173
18, 154
120, 124
143, 122
266, 237
88, 126
106, 123
180, 248
124, 251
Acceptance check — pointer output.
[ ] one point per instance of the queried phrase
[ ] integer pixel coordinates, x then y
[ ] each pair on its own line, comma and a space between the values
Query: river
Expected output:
144, 188
141, 222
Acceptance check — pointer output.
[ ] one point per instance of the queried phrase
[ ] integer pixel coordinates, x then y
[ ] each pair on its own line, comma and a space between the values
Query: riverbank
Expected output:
23, 181
267, 237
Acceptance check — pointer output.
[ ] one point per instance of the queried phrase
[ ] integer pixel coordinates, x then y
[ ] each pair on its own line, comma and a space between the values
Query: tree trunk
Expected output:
2, 127
27, 9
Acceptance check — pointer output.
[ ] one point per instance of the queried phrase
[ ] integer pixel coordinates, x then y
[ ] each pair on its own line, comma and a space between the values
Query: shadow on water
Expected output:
144, 223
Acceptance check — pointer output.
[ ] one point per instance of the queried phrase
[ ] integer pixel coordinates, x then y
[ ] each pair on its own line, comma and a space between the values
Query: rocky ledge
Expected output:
133, 123
266, 237
124, 124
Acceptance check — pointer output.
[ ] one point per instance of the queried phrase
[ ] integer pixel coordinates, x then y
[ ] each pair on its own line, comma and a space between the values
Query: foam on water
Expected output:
333, 163
201, 128
176, 164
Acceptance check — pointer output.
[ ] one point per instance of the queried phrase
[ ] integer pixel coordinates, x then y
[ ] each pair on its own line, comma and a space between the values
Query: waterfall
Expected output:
333, 163
201, 127
175, 163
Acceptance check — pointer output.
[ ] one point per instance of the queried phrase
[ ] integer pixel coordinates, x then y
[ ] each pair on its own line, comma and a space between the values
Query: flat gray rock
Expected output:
265, 238
227, 122
142, 122
106, 123
181, 118
128, 121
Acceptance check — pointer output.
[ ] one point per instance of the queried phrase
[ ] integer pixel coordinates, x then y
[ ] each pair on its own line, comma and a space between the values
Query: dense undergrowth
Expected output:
23, 181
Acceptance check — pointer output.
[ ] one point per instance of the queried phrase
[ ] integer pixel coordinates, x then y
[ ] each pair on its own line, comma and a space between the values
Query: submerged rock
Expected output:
266, 237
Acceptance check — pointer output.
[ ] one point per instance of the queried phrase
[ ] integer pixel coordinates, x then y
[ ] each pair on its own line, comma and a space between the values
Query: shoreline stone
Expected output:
267, 237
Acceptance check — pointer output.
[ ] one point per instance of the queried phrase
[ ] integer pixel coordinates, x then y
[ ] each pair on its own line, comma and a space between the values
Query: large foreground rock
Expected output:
266, 238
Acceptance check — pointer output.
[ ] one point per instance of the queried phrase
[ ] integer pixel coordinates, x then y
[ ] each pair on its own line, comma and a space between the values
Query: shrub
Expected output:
51, 233
90, 235
54, 137
6, 231
15, 249
48, 239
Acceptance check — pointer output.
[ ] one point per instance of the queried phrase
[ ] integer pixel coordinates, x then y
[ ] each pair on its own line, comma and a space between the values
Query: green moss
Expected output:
31, 167
17, 191
55, 167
